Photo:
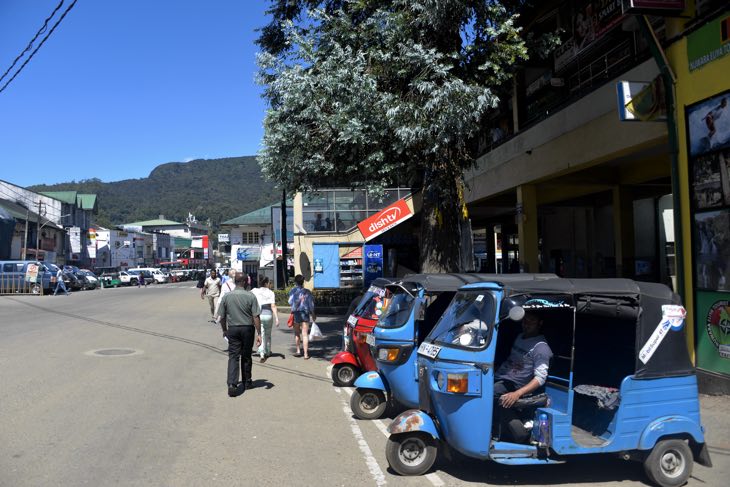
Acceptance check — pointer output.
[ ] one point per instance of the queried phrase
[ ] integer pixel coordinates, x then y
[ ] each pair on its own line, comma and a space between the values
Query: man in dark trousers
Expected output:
239, 317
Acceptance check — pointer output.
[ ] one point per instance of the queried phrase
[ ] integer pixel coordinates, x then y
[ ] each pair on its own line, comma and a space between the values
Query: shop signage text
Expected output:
385, 219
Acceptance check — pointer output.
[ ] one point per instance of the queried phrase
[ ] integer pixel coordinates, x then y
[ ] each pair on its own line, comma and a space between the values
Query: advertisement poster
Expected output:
713, 331
708, 140
373, 255
709, 43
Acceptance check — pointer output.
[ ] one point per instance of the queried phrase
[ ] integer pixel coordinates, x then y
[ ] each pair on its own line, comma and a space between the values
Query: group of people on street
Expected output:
247, 316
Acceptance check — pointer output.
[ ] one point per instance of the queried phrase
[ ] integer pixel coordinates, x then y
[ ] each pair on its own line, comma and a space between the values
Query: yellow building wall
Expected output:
690, 87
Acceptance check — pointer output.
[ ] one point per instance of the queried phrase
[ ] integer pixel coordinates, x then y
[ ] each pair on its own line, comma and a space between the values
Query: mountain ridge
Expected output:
207, 188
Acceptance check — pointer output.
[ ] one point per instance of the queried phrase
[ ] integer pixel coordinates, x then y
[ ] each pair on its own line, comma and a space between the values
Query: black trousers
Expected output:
509, 423
240, 343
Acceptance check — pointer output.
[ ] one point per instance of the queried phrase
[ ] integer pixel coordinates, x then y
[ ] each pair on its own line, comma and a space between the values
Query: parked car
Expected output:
90, 277
73, 282
139, 274
128, 278
13, 277
157, 275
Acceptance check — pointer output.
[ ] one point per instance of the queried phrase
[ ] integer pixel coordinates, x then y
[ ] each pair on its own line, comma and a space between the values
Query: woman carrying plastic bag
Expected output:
315, 332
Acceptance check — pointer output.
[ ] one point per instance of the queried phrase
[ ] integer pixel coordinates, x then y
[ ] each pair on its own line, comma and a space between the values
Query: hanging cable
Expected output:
30, 44
39, 45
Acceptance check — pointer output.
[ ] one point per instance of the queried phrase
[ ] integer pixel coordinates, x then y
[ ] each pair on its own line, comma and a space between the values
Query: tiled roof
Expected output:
262, 216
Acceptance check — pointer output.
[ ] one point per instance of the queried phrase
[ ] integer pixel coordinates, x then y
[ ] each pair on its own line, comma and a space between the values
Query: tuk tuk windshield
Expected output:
398, 311
467, 322
372, 305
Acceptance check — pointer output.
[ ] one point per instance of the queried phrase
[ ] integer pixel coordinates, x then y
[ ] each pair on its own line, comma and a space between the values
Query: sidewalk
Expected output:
715, 416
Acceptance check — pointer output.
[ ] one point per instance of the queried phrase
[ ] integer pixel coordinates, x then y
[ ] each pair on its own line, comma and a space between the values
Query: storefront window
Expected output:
340, 210
345, 220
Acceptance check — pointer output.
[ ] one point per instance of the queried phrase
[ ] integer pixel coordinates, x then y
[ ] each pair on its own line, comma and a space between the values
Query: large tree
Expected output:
373, 93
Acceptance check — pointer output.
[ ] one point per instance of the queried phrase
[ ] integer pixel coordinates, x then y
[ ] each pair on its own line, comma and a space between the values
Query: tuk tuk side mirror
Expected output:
516, 313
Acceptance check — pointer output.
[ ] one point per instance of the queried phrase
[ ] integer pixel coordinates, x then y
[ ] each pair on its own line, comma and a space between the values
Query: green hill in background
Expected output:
215, 189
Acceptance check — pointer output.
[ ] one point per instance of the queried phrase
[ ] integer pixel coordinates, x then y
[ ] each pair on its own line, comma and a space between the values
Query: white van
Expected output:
157, 274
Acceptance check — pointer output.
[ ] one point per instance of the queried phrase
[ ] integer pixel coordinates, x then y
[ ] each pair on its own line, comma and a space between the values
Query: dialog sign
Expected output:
385, 219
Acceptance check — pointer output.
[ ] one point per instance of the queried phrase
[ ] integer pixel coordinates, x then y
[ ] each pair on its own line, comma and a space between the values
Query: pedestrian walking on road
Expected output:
59, 283
302, 307
227, 285
239, 312
211, 290
269, 315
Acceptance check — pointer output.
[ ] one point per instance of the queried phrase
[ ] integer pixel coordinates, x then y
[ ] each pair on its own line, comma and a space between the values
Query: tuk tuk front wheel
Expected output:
344, 375
411, 453
35, 289
368, 403
670, 463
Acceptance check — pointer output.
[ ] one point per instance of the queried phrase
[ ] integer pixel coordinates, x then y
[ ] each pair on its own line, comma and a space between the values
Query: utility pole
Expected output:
25, 236
38, 233
284, 259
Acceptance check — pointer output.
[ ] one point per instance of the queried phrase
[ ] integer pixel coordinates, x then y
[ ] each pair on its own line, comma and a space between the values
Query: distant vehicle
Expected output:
73, 282
90, 276
139, 274
105, 270
110, 279
128, 278
156, 274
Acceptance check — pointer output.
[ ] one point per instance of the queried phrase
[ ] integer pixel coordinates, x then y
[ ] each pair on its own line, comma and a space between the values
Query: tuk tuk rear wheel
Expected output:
344, 375
368, 403
411, 453
35, 289
670, 463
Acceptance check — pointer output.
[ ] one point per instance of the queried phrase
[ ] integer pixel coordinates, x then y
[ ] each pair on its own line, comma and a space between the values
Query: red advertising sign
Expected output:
385, 219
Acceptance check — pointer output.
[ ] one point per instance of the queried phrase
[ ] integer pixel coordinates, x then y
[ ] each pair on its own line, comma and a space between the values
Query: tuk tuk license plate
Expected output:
352, 320
370, 339
429, 350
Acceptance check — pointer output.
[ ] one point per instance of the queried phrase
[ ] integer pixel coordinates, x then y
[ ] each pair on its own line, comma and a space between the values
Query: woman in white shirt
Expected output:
269, 315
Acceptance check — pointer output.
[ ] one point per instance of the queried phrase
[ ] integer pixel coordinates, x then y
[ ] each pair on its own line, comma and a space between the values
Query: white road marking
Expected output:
432, 477
370, 460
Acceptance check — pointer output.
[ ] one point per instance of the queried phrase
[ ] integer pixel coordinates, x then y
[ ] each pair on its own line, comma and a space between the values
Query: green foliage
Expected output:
215, 189
375, 93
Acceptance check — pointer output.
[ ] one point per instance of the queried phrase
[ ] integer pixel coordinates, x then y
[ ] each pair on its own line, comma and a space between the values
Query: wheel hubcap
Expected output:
411, 451
346, 374
369, 402
672, 464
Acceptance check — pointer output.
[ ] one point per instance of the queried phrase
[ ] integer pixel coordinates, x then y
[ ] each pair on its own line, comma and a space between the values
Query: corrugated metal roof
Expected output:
65, 196
262, 216
20, 213
153, 223
86, 201
183, 243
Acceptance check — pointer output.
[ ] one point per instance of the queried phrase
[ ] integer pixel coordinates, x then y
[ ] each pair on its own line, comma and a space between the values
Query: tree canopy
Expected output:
372, 93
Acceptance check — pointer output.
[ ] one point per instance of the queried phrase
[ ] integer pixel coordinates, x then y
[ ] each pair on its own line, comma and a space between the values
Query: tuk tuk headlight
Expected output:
388, 354
457, 383
441, 380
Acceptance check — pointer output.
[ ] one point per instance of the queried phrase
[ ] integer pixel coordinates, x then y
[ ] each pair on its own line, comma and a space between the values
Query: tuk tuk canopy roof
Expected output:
623, 299
452, 282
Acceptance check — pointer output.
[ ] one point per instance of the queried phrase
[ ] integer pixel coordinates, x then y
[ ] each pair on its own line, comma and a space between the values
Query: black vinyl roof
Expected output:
382, 281
452, 282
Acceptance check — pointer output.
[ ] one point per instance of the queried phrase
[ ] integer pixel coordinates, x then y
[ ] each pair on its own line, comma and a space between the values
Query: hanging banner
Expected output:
385, 219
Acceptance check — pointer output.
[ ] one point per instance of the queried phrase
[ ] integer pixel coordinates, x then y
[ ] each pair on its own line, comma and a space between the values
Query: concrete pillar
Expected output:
527, 227
623, 230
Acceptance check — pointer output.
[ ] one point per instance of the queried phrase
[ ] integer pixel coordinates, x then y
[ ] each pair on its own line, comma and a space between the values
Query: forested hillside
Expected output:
215, 189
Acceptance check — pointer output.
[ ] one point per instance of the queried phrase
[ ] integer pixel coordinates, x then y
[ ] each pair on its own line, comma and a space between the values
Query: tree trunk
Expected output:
444, 221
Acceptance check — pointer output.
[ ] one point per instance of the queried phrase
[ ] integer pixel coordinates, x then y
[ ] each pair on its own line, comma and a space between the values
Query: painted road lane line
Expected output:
432, 477
370, 460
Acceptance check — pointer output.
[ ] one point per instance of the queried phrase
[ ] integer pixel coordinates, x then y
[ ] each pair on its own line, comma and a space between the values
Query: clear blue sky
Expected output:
121, 87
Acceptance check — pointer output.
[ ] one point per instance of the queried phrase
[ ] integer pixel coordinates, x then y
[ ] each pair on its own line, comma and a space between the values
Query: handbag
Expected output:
290, 321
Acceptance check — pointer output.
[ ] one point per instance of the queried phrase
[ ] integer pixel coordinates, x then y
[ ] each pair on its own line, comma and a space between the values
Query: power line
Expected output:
30, 44
39, 45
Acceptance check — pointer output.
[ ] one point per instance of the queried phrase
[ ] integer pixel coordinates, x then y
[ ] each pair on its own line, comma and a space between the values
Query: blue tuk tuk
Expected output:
417, 302
620, 379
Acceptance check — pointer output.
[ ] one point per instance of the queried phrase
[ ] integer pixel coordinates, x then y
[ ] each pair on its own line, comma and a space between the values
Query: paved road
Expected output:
161, 415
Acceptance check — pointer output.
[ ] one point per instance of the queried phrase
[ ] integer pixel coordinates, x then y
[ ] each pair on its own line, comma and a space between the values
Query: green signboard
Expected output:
713, 331
709, 43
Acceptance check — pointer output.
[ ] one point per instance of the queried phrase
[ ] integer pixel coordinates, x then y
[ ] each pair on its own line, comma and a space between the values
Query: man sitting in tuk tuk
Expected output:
522, 374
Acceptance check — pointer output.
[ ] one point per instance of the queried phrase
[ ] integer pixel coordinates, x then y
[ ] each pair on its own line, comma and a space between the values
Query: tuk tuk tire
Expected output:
670, 463
344, 375
368, 403
35, 289
411, 453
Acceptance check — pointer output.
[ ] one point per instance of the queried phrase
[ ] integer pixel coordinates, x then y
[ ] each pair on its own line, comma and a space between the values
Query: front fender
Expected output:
413, 420
345, 358
371, 380
669, 426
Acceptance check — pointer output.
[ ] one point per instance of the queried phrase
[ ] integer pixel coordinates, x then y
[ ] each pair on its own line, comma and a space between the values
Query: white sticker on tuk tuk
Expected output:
352, 320
672, 319
479, 298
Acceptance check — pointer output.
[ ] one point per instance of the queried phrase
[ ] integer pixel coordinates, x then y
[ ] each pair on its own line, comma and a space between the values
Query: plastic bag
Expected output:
315, 332
290, 321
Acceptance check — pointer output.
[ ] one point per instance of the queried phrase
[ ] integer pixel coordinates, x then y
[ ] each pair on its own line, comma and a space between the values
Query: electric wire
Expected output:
39, 46
30, 44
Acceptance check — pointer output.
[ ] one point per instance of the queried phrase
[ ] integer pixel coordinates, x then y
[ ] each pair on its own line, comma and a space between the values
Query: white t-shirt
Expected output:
264, 295
212, 287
